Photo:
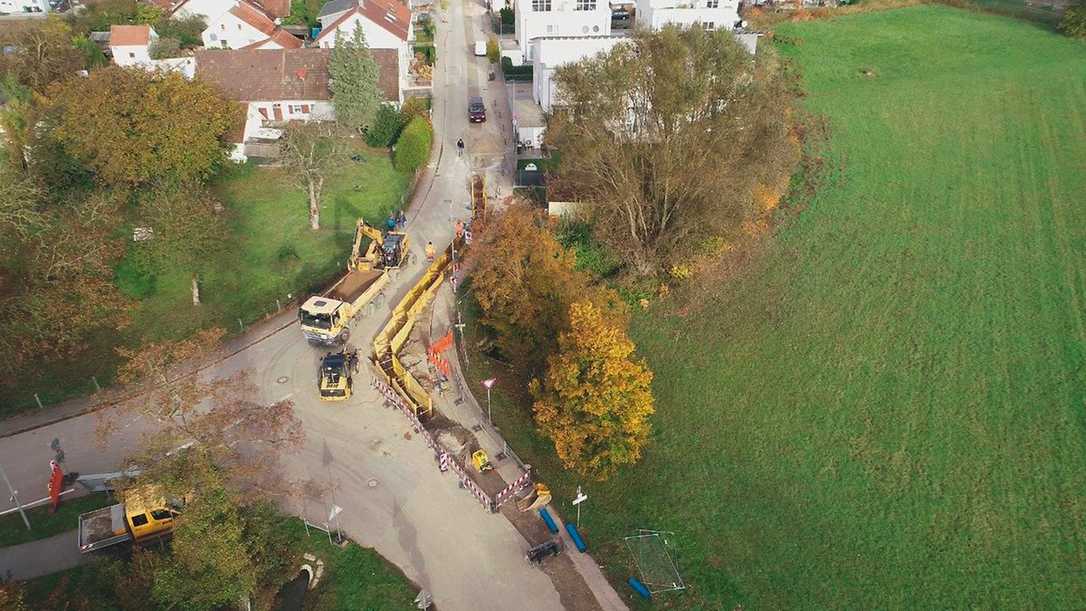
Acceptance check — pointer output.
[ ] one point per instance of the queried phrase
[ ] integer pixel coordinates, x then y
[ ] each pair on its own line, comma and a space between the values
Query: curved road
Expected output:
384, 477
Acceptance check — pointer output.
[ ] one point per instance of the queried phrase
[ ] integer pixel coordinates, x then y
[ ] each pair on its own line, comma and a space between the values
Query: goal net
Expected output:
652, 553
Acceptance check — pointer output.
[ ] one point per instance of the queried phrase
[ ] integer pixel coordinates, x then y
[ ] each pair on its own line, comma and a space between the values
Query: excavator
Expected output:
385, 251
334, 377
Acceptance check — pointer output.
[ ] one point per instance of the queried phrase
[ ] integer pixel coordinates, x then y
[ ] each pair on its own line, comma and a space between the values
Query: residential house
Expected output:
553, 18
8, 7
281, 85
386, 25
710, 14
550, 52
211, 9
130, 46
244, 26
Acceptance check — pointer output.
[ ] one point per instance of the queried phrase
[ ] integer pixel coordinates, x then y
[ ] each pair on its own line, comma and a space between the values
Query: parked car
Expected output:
480, 48
476, 109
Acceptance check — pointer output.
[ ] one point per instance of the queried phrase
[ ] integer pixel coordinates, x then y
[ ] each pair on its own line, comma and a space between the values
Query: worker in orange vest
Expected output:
459, 229
430, 252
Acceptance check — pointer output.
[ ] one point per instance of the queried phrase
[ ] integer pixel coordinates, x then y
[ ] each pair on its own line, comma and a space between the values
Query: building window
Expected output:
586, 5
541, 5
550, 29
239, 27
224, 45
709, 25
298, 109
712, 4
222, 26
132, 55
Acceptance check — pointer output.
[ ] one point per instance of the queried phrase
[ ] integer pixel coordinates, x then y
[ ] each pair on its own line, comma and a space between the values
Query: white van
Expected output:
480, 48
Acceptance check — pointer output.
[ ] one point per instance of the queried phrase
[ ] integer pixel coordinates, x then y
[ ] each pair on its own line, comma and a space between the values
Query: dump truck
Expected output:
334, 379
144, 516
325, 318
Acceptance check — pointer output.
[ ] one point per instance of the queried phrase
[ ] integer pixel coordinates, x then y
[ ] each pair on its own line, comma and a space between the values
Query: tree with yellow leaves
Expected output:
595, 400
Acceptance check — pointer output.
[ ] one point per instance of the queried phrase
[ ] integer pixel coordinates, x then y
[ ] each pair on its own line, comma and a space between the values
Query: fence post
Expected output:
241, 327
278, 306
97, 388
36, 398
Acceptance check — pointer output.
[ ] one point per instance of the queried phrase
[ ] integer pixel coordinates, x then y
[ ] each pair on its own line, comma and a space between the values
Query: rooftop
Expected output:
129, 35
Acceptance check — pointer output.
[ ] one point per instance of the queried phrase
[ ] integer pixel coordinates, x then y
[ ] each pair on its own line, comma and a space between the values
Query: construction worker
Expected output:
459, 147
391, 222
459, 229
430, 252
401, 220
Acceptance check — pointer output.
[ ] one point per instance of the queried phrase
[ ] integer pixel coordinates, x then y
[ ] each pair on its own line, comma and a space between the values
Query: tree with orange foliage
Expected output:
595, 400
524, 281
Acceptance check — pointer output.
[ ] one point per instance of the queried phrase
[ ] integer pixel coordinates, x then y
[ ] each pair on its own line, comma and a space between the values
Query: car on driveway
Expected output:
476, 109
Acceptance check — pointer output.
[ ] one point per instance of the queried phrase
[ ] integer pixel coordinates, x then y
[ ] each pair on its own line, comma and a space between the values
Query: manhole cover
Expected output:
282, 379
372, 483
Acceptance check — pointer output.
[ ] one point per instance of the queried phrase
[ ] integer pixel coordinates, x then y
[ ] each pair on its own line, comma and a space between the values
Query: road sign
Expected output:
581, 497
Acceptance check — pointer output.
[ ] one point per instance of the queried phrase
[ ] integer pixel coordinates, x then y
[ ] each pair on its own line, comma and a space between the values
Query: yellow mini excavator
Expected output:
385, 251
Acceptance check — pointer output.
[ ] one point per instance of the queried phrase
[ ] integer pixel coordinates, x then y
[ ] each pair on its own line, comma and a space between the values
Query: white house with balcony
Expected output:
130, 46
710, 14
551, 52
559, 18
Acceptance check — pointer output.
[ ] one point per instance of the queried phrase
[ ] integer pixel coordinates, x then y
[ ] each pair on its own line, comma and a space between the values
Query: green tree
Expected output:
1074, 21
310, 151
44, 54
493, 51
17, 116
355, 94
413, 147
190, 231
595, 401
132, 127
187, 30
164, 47
385, 128
667, 135
209, 565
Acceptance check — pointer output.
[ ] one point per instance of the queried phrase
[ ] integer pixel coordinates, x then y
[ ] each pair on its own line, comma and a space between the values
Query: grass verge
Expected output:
45, 524
885, 411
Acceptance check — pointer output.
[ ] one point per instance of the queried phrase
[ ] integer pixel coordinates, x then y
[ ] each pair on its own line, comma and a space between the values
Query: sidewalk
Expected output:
113, 395
459, 404
41, 557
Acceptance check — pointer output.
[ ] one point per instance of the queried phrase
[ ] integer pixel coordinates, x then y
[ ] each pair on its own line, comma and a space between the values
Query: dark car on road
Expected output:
476, 109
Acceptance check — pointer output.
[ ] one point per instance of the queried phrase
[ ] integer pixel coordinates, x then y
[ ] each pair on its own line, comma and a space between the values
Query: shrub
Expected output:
516, 73
413, 147
418, 106
162, 48
507, 18
493, 51
385, 128
187, 30
1074, 21
428, 53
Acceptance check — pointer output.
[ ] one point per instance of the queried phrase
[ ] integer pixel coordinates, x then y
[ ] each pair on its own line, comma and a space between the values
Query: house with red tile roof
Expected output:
386, 24
130, 46
246, 26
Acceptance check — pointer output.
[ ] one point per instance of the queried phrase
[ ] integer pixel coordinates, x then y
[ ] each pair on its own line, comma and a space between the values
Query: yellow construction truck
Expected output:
143, 516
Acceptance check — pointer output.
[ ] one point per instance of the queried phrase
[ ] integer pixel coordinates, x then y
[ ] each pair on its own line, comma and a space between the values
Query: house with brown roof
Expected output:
246, 26
281, 85
386, 25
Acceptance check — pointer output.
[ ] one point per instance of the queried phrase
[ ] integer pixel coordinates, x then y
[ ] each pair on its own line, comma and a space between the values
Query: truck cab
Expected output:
143, 516
320, 319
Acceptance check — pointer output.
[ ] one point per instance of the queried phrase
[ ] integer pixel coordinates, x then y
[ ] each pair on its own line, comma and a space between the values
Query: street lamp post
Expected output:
489, 384
15, 497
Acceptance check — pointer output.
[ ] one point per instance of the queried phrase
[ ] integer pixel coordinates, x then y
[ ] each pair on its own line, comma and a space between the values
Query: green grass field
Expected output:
274, 255
44, 524
887, 410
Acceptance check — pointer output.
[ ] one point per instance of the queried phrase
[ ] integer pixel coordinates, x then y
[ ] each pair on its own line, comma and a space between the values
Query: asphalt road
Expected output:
382, 475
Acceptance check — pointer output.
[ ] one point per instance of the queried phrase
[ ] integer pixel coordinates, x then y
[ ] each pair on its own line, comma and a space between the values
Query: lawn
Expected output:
273, 256
355, 579
45, 524
886, 410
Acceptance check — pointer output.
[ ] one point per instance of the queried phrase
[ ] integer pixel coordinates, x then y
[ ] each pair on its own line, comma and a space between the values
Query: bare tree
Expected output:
666, 137
311, 150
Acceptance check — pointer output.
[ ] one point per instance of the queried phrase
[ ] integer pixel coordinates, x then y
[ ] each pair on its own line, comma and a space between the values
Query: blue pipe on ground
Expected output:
639, 587
548, 520
576, 536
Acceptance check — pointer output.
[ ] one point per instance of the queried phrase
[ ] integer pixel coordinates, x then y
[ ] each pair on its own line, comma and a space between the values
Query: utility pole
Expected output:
15, 497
